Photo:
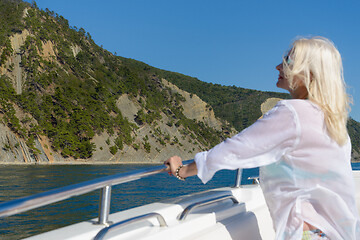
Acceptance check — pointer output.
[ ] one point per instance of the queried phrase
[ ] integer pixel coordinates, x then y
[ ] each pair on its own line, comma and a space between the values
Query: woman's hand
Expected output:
175, 162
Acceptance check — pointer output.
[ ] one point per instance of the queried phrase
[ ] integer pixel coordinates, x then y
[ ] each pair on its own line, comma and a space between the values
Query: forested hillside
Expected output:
58, 87
67, 88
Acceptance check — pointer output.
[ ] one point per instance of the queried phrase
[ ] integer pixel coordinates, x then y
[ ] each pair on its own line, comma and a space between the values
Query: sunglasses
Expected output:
287, 59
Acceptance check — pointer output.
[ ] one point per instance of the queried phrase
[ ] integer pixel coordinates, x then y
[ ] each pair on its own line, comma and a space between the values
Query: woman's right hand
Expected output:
173, 163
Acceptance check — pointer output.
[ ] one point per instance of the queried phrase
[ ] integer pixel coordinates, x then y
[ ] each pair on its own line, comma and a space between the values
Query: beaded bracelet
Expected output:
177, 173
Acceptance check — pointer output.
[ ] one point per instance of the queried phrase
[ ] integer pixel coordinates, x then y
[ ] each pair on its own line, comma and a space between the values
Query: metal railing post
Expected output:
104, 205
238, 178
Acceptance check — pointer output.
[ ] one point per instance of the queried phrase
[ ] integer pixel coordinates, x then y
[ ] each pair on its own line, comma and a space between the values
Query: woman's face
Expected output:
300, 91
282, 82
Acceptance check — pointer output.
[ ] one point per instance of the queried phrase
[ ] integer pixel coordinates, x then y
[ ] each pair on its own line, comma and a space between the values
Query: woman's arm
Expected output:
264, 142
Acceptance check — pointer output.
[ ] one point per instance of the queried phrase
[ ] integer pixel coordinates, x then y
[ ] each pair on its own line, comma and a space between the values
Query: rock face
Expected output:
269, 104
15, 150
165, 139
48, 50
11, 150
16, 73
128, 107
195, 108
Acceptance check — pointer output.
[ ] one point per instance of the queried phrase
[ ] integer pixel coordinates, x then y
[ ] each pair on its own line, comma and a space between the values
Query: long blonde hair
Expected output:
317, 61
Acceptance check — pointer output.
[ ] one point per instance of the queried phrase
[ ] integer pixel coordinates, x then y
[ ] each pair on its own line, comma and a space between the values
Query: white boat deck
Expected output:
220, 220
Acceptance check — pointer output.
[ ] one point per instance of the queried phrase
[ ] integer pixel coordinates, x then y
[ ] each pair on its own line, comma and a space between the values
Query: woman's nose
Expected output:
279, 67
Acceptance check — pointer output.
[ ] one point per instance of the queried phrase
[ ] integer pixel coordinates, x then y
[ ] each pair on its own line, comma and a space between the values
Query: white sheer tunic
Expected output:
304, 174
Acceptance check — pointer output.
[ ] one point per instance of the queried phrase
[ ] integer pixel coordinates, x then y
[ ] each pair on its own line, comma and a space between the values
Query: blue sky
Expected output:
226, 42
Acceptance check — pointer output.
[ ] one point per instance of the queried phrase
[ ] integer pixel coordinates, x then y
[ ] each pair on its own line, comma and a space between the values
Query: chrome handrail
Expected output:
191, 207
56, 195
126, 222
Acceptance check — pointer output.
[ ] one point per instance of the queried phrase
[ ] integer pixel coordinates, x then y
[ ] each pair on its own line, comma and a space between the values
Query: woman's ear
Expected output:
311, 77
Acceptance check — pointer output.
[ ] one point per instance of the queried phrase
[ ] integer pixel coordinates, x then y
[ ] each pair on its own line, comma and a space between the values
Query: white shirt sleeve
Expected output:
263, 143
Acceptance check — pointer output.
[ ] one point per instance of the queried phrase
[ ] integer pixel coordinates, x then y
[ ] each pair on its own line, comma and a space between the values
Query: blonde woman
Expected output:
301, 146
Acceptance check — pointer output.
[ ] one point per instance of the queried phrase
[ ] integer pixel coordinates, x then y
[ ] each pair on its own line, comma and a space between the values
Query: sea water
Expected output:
20, 180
